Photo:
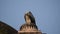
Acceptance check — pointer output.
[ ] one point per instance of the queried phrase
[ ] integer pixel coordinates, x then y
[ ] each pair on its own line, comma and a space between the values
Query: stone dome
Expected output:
29, 27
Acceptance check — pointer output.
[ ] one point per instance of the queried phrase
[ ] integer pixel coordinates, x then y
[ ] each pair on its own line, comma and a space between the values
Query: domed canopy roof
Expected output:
28, 26
7, 29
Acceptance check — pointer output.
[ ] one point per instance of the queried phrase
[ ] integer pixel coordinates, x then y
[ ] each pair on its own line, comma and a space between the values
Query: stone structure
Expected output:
30, 26
6, 29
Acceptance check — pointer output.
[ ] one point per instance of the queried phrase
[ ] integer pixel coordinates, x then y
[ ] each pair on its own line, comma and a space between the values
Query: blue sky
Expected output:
46, 13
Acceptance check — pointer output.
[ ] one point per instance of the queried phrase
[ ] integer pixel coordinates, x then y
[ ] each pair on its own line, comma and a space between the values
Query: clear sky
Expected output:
46, 13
